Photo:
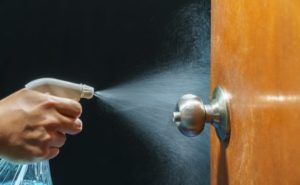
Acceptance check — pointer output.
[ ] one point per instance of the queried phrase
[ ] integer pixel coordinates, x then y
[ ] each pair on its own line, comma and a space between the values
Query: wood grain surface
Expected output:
256, 59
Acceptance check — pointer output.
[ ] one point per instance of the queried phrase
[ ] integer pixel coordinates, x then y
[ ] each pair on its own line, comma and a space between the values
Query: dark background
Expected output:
103, 43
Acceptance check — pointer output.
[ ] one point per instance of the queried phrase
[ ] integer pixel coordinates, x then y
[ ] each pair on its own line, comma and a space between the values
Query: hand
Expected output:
33, 125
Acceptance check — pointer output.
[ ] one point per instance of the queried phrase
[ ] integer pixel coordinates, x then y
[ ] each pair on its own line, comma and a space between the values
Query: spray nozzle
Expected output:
61, 88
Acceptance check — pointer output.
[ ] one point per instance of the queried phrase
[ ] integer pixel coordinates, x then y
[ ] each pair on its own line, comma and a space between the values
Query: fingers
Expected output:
66, 107
52, 152
38, 153
58, 139
51, 149
34, 125
63, 114
69, 125
60, 117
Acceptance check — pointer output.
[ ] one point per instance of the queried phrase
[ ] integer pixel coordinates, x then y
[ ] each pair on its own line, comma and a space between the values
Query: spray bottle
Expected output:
39, 173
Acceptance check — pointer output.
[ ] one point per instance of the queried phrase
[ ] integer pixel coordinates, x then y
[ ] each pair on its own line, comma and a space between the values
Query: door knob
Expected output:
192, 114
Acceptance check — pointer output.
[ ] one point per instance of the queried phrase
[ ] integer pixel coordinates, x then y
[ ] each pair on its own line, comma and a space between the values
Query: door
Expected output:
256, 59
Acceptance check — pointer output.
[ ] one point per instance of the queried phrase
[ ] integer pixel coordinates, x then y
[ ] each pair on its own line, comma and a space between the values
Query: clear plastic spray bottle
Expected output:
39, 173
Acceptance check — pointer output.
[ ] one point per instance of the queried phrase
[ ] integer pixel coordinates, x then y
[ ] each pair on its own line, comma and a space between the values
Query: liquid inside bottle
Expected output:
25, 174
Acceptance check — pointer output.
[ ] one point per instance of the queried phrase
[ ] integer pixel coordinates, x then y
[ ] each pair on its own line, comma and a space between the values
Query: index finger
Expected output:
67, 107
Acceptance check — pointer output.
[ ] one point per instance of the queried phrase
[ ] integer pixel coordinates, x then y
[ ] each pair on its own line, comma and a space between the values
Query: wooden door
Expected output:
256, 59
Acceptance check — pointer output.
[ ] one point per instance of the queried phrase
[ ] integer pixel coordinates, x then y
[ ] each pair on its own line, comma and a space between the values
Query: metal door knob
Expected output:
192, 114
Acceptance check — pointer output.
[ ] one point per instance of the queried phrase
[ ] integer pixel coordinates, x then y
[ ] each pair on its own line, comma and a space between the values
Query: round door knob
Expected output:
192, 114
190, 118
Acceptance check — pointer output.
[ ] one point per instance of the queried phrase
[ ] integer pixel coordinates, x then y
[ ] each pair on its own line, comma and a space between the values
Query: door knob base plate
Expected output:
219, 109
